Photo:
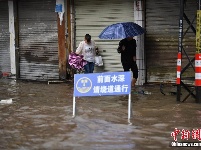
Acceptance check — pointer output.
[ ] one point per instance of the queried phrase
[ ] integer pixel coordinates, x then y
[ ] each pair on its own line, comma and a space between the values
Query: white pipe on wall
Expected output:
139, 19
72, 18
12, 37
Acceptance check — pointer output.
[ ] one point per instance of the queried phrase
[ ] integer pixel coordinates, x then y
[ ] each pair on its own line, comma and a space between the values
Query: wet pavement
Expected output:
40, 117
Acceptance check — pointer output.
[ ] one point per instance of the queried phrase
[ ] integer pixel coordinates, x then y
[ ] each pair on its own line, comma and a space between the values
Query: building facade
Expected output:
32, 33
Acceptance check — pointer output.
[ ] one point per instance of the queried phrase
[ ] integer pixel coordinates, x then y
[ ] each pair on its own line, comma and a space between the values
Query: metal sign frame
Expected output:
102, 84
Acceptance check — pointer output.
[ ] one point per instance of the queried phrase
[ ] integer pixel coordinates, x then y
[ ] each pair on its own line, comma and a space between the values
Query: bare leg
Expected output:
133, 82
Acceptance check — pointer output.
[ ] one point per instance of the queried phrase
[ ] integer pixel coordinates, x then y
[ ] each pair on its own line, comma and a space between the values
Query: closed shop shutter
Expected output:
38, 40
4, 38
161, 41
93, 16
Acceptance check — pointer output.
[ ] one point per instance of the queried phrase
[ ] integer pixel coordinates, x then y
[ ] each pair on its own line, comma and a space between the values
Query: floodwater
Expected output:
40, 117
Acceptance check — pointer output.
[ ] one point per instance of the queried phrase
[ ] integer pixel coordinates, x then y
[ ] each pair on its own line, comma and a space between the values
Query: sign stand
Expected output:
129, 107
100, 84
74, 106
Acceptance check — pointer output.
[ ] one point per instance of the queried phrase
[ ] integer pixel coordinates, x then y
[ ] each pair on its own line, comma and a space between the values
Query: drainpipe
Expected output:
72, 25
12, 37
69, 30
140, 53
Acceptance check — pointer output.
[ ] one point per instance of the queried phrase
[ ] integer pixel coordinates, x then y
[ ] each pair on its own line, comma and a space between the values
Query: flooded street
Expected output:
40, 117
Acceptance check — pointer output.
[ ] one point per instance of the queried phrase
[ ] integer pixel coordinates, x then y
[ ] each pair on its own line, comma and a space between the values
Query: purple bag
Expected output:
76, 61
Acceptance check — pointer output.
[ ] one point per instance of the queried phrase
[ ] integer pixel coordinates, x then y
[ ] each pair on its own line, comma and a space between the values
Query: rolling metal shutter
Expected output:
93, 16
38, 40
4, 38
161, 41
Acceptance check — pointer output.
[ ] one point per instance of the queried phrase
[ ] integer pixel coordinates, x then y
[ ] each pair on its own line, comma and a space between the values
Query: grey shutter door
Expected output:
93, 16
38, 40
5, 65
161, 41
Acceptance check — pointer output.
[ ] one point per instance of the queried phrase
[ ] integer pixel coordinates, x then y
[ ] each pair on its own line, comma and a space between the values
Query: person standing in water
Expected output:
127, 48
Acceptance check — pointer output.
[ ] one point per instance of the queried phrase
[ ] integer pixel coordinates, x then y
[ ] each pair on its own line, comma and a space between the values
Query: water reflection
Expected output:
41, 118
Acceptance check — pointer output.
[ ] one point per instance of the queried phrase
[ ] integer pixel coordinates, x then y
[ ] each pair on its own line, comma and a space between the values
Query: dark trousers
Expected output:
133, 67
89, 67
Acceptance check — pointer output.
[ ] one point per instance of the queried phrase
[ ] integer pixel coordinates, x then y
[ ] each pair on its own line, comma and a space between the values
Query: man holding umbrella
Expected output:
127, 48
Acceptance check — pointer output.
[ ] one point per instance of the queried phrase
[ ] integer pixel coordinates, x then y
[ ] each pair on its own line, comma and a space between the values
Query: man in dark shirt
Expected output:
127, 48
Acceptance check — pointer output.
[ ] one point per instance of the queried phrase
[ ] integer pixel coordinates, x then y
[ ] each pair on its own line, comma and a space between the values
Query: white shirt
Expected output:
87, 50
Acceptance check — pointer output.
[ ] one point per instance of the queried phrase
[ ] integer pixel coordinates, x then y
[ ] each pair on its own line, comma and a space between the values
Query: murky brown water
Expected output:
40, 117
